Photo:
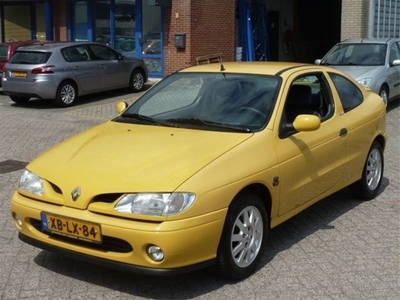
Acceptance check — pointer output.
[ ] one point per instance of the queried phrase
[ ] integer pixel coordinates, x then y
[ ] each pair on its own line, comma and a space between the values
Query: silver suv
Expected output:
375, 63
64, 71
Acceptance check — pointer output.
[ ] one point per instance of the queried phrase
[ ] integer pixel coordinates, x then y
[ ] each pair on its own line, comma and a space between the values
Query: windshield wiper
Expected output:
208, 124
143, 119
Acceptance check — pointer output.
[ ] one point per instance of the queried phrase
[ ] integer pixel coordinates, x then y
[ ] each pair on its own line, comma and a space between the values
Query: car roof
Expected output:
368, 40
17, 43
249, 67
55, 45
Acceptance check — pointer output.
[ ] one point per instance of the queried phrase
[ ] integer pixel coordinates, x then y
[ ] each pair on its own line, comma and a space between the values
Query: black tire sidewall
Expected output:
58, 100
225, 265
360, 188
132, 87
18, 99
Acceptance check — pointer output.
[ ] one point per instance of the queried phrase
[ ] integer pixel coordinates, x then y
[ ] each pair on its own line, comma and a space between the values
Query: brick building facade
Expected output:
355, 20
211, 26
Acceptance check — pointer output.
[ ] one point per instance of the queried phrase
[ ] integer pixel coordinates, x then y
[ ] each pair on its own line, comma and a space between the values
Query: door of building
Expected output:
132, 27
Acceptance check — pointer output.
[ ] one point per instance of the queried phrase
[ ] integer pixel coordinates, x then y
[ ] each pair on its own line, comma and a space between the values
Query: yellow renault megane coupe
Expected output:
198, 170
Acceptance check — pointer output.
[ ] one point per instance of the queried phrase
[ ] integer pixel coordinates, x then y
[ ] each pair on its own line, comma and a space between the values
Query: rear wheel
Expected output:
136, 81
243, 238
18, 99
66, 94
384, 94
367, 187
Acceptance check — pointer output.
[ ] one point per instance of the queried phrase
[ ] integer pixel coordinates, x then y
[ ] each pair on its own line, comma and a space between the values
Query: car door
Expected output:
84, 70
394, 71
113, 71
311, 163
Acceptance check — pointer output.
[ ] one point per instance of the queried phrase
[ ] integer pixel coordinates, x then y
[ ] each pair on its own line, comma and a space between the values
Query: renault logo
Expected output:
76, 193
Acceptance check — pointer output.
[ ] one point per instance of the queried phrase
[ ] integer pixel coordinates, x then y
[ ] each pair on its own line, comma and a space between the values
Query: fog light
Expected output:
155, 253
17, 219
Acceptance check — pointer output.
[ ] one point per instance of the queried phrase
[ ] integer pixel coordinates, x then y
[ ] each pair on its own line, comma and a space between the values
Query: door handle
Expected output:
77, 68
102, 67
343, 132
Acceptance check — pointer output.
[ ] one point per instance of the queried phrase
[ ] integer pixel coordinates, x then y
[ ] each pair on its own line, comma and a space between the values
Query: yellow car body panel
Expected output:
289, 173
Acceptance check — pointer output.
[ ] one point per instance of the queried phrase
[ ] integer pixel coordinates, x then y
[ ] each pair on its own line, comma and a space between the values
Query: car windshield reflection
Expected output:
221, 102
357, 54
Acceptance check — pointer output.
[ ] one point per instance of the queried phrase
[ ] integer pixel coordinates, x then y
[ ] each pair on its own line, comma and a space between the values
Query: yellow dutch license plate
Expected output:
20, 74
73, 228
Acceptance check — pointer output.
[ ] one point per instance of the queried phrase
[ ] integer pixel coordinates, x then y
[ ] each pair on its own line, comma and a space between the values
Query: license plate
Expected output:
73, 228
20, 74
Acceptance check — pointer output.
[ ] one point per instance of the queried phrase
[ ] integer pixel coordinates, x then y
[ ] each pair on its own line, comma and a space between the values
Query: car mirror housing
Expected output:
306, 123
121, 106
318, 61
396, 62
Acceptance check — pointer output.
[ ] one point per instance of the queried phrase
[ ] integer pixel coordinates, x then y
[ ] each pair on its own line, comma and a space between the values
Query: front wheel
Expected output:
66, 94
384, 95
136, 81
367, 187
19, 100
243, 238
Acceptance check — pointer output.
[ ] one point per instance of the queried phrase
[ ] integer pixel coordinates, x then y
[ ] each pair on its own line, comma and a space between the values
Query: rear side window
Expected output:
30, 57
3, 52
349, 93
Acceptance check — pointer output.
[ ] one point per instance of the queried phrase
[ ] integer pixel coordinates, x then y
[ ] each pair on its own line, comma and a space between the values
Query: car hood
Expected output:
119, 157
359, 72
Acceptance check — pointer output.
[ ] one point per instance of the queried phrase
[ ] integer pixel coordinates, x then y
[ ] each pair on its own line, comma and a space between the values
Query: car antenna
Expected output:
222, 66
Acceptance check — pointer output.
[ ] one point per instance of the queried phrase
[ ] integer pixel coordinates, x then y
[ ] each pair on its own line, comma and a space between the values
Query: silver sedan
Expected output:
375, 63
64, 71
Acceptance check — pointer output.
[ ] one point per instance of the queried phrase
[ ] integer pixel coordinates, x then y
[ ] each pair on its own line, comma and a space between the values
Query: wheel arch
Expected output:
145, 75
263, 192
381, 140
68, 79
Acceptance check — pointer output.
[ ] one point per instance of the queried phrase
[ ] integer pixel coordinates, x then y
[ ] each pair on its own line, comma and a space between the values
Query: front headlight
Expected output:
365, 81
31, 183
156, 204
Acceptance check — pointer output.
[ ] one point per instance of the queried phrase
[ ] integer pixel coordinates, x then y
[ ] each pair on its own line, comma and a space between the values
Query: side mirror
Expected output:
306, 123
396, 62
317, 61
121, 106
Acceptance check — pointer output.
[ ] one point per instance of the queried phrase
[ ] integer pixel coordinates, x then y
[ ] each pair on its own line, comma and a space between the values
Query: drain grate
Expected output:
10, 165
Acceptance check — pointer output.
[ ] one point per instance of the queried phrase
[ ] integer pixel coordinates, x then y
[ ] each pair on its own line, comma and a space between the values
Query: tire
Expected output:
239, 252
384, 94
367, 187
66, 94
20, 100
136, 81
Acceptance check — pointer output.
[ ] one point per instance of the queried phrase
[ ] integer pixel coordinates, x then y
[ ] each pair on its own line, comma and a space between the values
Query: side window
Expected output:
394, 51
309, 94
76, 53
349, 93
103, 53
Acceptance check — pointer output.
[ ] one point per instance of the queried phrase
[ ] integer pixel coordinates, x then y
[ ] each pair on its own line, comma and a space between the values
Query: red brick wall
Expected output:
209, 26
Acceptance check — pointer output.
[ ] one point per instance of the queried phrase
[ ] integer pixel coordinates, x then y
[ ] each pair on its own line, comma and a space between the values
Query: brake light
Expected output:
43, 70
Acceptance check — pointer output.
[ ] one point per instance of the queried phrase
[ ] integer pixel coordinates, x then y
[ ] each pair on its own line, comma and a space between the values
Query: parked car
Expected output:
375, 63
7, 50
64, 71
198, 169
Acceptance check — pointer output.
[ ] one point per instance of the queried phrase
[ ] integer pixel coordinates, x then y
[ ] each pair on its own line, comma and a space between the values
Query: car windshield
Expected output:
357, 54
207, 101
29, 57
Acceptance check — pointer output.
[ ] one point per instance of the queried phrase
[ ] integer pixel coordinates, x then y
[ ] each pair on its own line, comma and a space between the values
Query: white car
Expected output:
375, 63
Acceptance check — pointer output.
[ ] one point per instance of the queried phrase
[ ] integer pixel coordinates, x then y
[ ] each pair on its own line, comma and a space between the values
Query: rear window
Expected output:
3, 52
30, 57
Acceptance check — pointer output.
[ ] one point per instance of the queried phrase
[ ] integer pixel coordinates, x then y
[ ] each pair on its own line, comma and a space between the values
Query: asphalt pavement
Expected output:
341, 248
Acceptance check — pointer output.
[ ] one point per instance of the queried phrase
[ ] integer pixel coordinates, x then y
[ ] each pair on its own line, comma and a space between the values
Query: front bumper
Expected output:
188, 244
